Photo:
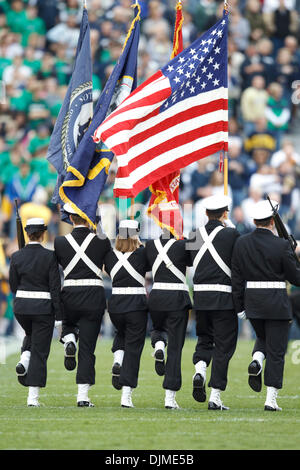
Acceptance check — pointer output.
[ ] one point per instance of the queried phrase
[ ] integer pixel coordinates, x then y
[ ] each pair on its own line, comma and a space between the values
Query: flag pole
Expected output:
226, 9
84, 4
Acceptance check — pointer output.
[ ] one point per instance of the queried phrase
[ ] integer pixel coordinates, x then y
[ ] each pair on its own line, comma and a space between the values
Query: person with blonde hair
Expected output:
127, 307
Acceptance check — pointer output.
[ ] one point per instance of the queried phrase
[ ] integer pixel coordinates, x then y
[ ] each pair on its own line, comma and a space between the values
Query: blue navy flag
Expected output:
76, 111
87, 173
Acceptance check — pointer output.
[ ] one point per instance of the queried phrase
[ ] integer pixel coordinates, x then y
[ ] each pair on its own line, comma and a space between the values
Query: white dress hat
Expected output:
35, 225
214, 203
68, 208
263, 210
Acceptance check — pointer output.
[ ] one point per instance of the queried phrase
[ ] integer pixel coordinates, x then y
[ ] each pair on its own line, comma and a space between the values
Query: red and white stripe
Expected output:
149, 145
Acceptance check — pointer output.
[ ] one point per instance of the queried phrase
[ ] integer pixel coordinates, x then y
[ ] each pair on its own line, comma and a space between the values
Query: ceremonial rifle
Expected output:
281, 229
20, 232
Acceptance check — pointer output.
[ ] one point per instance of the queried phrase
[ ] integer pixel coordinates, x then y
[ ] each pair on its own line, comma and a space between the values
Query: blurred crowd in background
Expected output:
38, 39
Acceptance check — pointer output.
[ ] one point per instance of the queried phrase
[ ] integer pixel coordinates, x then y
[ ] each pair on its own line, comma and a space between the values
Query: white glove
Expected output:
242, 315
228, 223
57, 323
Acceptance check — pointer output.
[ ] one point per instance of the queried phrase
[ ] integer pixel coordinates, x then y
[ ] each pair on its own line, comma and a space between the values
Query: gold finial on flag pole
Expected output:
84, 4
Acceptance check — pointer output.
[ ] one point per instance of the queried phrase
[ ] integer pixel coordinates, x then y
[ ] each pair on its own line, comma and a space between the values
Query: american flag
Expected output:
177, 116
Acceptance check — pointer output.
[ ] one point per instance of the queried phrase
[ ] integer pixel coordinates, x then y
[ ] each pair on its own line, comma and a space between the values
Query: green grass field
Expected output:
59, 424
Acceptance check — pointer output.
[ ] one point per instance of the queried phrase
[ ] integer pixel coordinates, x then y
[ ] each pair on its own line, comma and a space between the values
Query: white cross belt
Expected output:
128, 290
82, 282
27, 294
169, 286
212, 287
265, 285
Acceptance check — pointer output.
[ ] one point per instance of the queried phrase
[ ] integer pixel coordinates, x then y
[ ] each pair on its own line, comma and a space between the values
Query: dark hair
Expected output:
263, 222
215, 215
77, 219
35, 236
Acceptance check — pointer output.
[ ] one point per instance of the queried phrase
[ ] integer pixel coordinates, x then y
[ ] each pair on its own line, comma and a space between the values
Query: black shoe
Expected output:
159, 362
199, 393
22, 379
85, 404
116, 370
214, 406
70, 352
254, 380
20, 370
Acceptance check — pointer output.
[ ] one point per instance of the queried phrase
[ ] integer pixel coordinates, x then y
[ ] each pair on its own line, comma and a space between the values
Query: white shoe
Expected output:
23, 364
126, 399
33, 402
215, 402
33, 396
271, 403
170, 402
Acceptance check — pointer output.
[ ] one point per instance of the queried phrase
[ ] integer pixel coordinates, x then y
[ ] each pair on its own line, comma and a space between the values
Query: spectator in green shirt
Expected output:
16, 17
33, 24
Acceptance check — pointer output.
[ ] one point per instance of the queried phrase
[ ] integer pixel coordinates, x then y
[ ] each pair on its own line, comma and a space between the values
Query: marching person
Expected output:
169, 304
81, 254
210, 250
35, 280
128, 310
261, 264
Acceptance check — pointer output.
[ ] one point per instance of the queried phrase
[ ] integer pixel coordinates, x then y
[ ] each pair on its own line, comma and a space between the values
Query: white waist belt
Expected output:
128, 290
212, 287
83, 282
27, 294
170, 286
265, 285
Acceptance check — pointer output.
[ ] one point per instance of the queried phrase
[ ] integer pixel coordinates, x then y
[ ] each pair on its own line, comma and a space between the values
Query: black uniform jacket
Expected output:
123, 303
208, 271
168, 300
83, 298
262, 256
34, 268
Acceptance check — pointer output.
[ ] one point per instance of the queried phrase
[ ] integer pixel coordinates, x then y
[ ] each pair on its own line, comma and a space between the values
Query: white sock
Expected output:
25, 358
83, 390
70, 338
159, 345
259, 356
119, 356
200, 368
271, 395
33, 393
215, 395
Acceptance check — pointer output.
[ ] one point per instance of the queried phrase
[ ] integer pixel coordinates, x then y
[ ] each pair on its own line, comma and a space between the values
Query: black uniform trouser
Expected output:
217, 332
173, 325
272, 340
130, 337
39, 332
88, 324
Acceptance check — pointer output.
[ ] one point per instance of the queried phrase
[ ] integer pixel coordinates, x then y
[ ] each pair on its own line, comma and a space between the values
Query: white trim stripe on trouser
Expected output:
128, 291
27, 294
207, 245
212, 287
80, 254
123, 262
265, 285
163, 257
83, 282
170, 286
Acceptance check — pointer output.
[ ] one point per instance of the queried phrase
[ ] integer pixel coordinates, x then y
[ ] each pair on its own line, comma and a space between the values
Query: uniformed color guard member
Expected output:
35, 280
127, 266
261, 264
81, 254
210, 251
169, 304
